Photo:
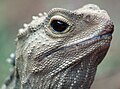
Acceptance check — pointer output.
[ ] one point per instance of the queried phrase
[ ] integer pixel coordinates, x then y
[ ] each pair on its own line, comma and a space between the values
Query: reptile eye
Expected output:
59, 26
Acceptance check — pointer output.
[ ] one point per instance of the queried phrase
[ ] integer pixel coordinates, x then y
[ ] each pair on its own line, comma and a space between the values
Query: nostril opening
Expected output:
109, 29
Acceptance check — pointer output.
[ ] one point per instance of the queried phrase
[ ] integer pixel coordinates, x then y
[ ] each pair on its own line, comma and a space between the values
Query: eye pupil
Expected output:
59, 26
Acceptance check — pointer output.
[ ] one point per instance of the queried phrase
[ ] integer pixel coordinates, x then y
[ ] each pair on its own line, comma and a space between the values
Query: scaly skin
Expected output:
54, 56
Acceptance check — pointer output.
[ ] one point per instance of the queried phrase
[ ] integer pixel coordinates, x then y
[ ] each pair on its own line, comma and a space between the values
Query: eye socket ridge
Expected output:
59, 24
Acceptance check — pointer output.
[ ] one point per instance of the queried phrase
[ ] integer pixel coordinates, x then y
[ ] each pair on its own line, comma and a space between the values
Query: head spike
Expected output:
25, 25
45, 13
20, 31
40, 14
34, 17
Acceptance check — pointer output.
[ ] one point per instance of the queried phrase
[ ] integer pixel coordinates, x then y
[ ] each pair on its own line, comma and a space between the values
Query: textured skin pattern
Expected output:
47, 59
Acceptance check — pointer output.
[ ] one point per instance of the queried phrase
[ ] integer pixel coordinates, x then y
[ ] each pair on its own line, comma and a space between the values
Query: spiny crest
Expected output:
31, 27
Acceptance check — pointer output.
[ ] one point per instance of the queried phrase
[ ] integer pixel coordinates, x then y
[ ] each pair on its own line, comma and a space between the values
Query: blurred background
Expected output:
14, 13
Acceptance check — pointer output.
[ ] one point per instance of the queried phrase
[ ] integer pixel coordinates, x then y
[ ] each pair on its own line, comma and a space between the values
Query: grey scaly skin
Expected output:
62, 49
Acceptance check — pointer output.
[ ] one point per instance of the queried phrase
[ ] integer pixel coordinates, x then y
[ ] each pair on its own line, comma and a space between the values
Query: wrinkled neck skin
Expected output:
77, 76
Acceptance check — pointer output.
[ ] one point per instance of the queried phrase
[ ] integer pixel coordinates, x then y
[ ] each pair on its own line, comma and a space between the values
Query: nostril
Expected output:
111, 32
108, 29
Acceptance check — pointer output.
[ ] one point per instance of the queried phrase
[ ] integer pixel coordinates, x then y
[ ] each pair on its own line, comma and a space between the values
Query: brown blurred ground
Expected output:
16, 12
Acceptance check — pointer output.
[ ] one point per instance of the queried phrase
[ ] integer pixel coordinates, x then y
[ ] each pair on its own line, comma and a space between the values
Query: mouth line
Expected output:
82, 44
91, 40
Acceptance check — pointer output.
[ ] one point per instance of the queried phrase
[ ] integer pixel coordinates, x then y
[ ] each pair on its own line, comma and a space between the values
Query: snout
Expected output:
108, 29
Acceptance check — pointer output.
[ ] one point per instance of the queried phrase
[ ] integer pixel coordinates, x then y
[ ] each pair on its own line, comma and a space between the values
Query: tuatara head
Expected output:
61, 49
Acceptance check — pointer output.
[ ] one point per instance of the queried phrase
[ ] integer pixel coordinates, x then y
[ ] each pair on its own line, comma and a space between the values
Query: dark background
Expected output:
14, 13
